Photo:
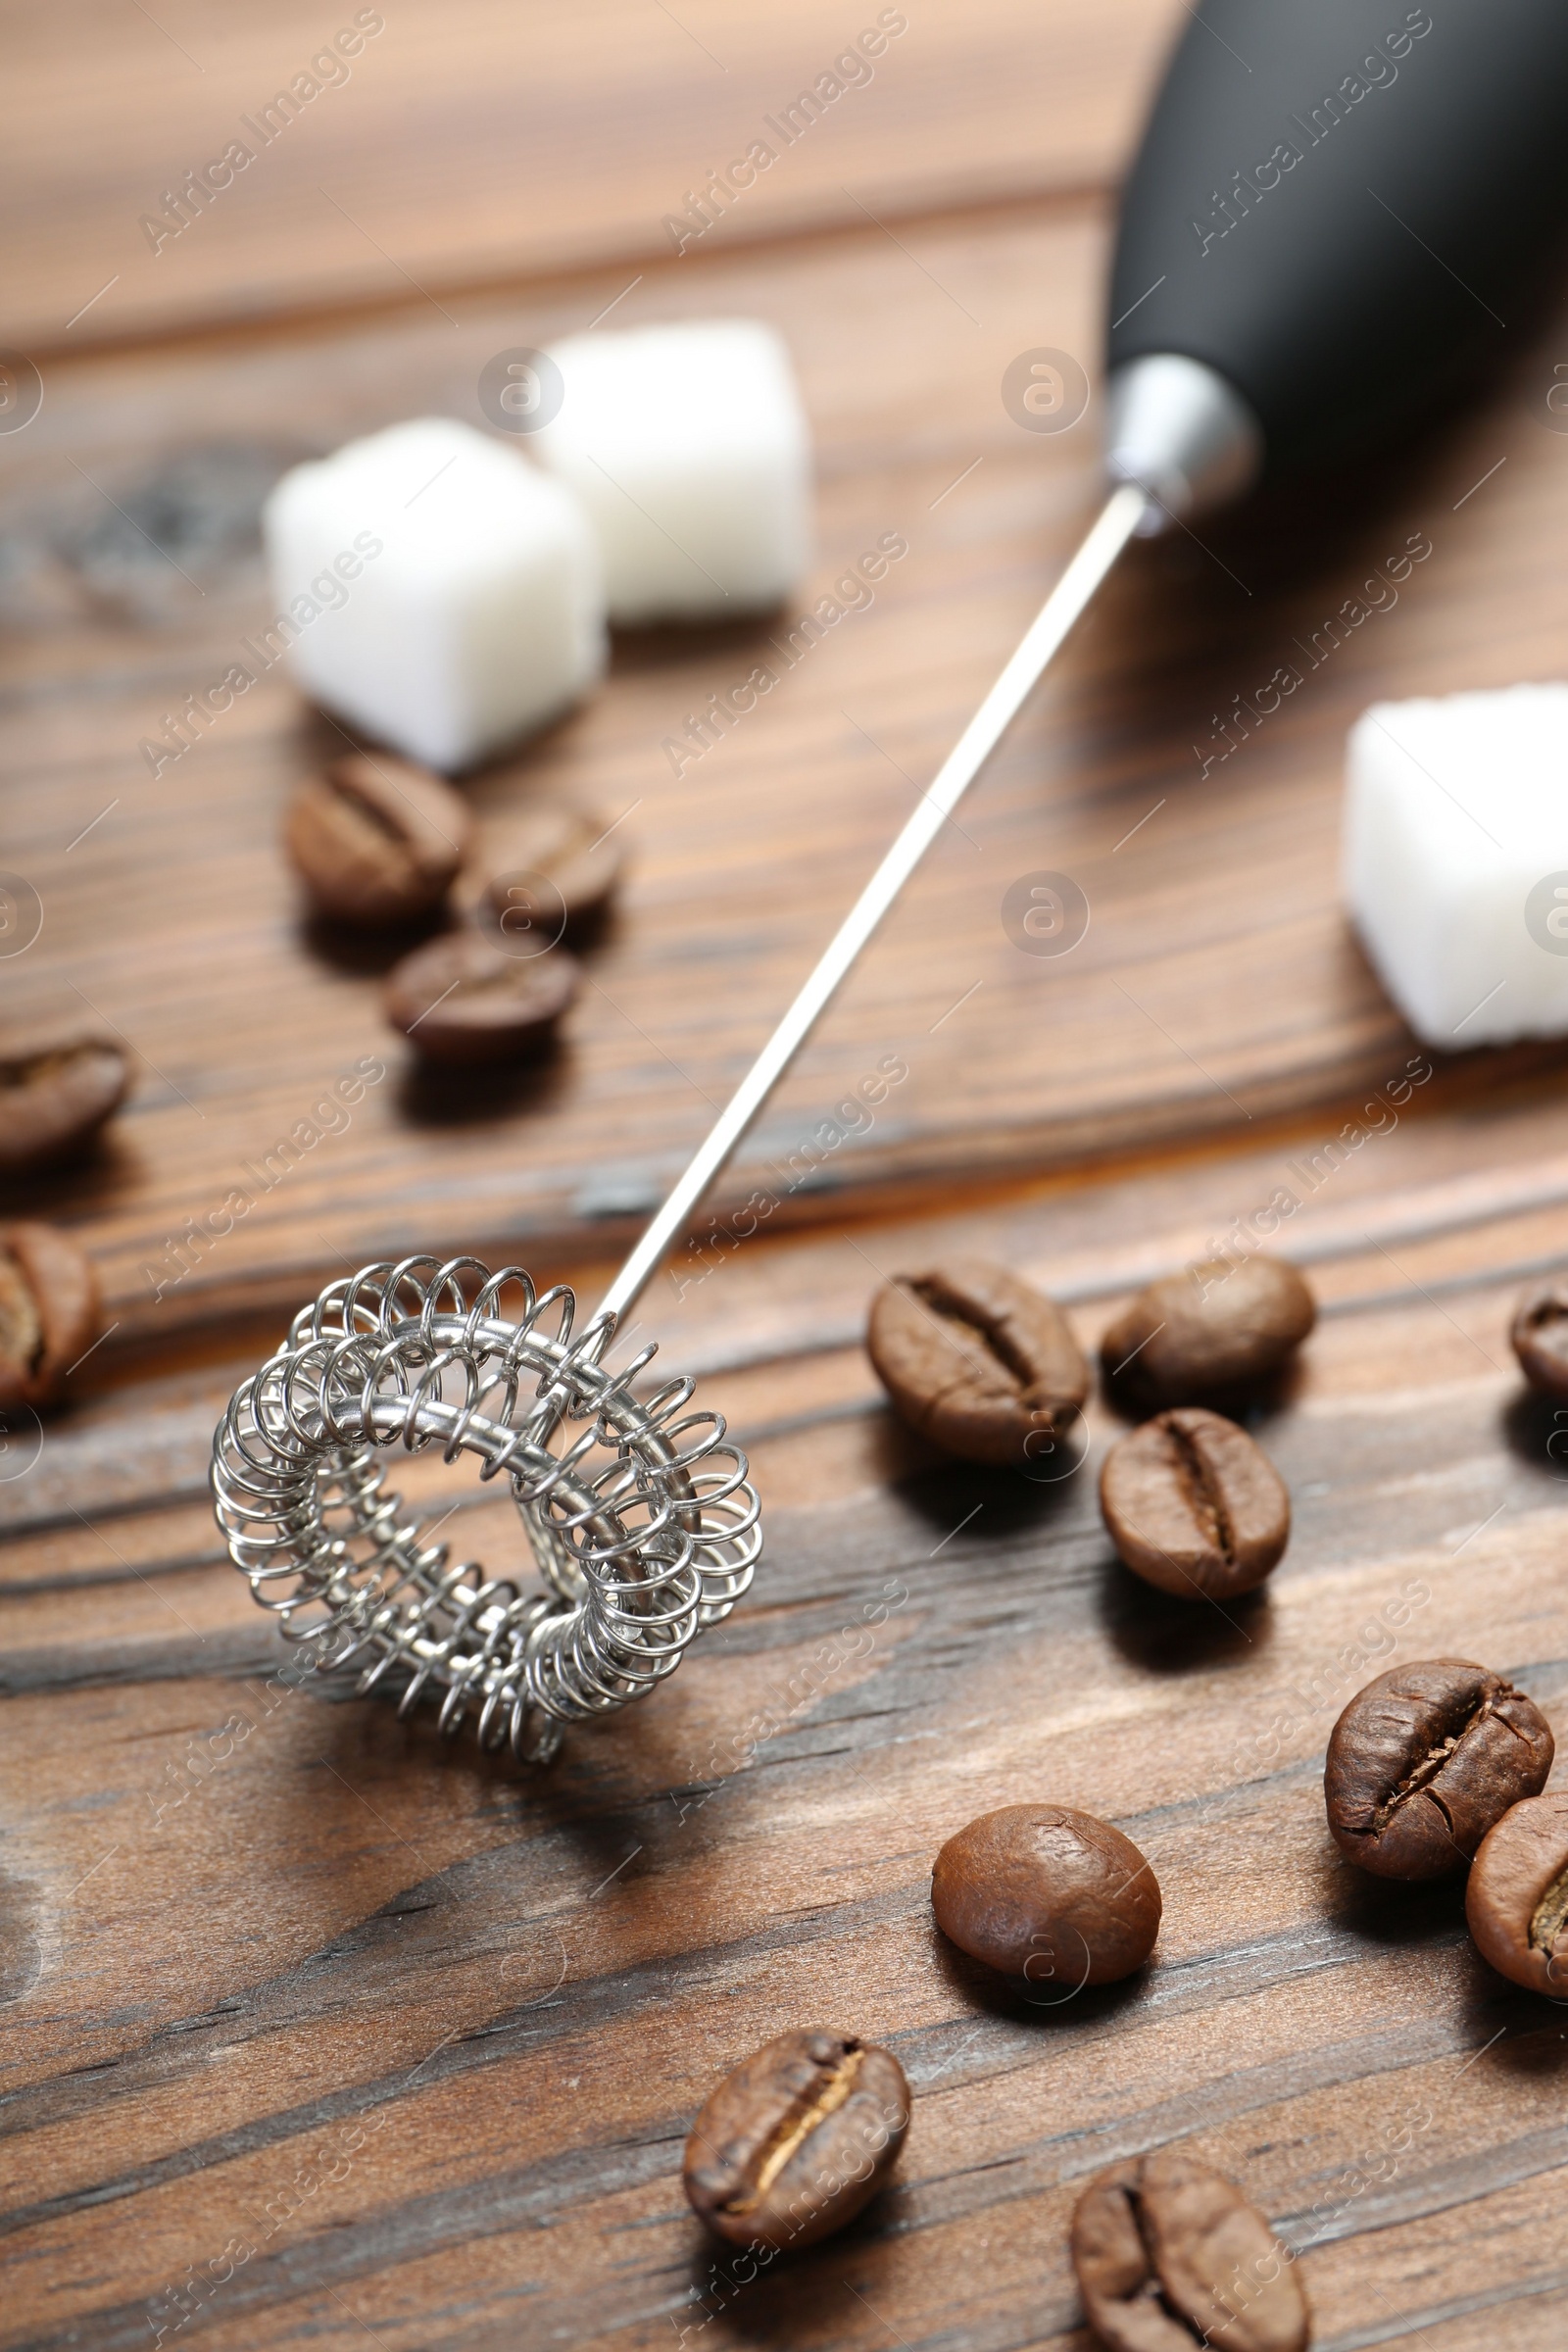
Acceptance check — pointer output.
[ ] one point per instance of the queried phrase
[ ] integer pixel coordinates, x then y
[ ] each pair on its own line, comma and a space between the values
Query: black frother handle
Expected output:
1340, 205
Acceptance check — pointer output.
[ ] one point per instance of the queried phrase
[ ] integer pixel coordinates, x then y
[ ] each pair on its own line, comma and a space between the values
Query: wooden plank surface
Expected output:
1217, 981
484, 139
319, 2032
425, 2039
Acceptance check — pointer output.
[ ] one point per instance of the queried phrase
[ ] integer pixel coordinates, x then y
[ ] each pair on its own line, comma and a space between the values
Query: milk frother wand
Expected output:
1327, 220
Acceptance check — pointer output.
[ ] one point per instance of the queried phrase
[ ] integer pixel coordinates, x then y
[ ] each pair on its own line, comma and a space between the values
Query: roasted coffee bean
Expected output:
793, 2143
977, 1360
49, 1312
539, 874
1517, 1899
1169, 2254
1047, 1894
1539, 1336
1216, 1328
1424, 1760
462, 1001
1193, 1505
376, 840
55, 1096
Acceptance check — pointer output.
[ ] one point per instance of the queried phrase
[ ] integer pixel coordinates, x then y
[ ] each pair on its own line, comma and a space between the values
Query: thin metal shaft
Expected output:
1118, 523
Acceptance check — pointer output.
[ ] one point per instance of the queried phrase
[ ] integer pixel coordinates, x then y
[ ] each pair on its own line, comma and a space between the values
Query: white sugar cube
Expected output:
690, 449
1457, 861
435, 589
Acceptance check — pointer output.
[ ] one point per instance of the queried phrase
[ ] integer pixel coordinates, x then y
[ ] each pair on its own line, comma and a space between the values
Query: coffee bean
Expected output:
1169, 2254
376, 840
1517, 1898
55, 1096
462, 1001
49, 1312
977, 1360
793, 2143
1539, 1336
1424, 1760
1047, 1894
1199, 1335
539, 874
1193, 1505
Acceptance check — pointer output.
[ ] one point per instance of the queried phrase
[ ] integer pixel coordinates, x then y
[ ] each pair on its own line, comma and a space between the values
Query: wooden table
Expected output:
318, 2029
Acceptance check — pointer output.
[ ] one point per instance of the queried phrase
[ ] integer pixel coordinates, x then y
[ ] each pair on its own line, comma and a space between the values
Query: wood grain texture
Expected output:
417, 2043
318, 2032
482, 139
1217, 981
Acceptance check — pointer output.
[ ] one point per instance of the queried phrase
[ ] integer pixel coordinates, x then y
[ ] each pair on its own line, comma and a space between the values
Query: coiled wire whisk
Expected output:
643, 1525
644, 1528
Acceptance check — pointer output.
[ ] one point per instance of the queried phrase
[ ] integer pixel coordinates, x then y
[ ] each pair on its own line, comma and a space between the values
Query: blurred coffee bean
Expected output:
49, 1312
1169, 2253
793, 2143
1517, 1899
539, 874
1539, 1336
1425, 1760
462, 1001
1047, 1894
376, 840
1193, 1505
1216, 1327
54, 1097
977, 1360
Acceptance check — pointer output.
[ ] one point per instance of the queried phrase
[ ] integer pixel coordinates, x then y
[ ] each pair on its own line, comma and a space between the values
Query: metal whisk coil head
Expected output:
643, 1525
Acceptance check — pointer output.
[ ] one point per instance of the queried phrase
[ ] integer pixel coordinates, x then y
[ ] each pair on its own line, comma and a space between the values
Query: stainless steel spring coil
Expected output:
643, 1525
